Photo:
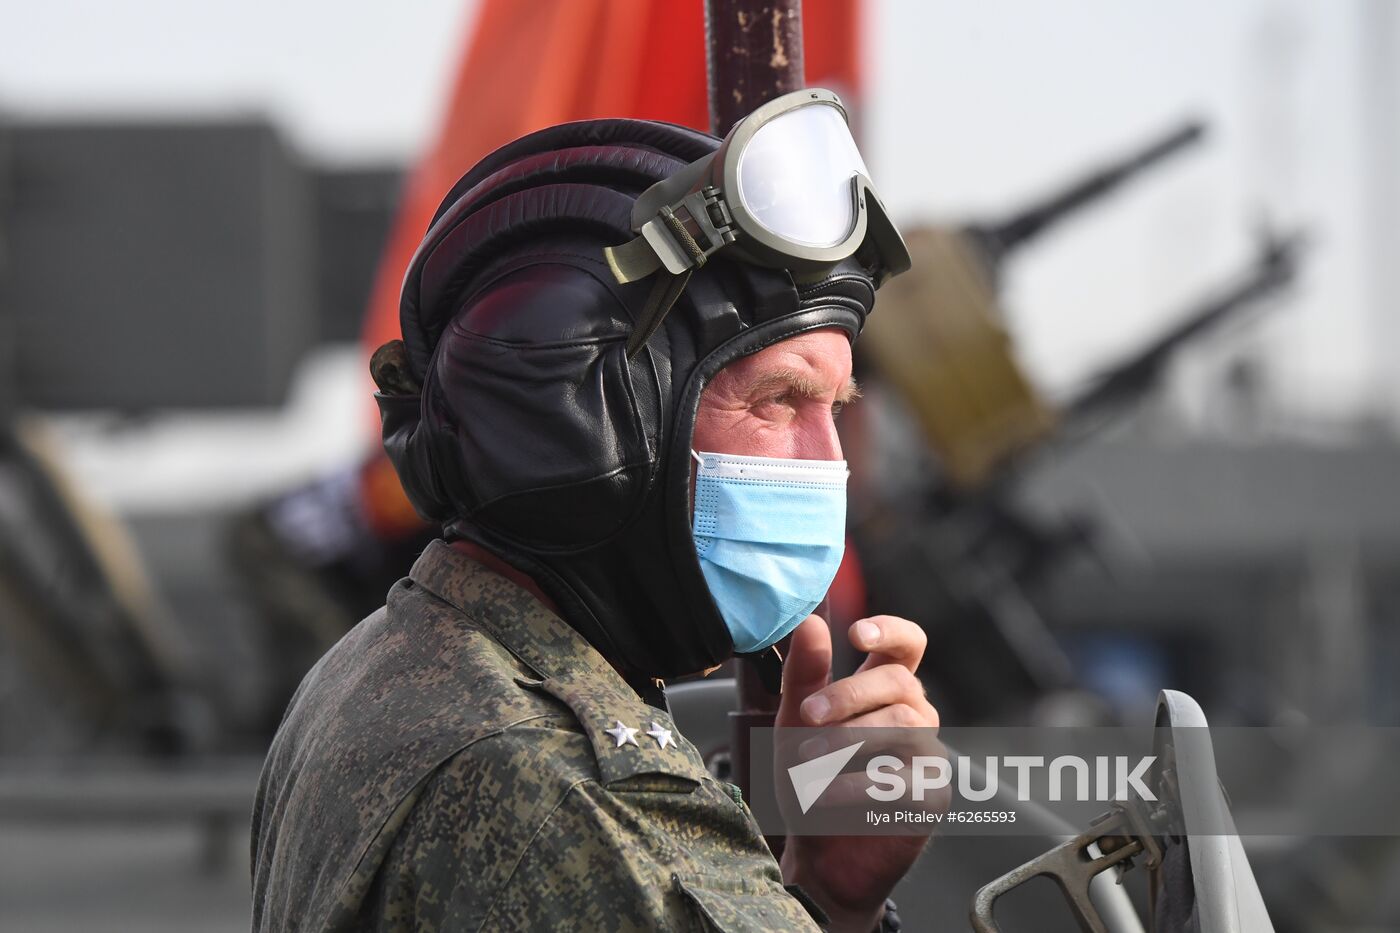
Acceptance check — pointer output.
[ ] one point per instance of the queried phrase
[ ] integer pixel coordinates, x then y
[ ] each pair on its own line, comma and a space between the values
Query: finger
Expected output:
902, 716
806, 669
889, 640
862, 692
899, 729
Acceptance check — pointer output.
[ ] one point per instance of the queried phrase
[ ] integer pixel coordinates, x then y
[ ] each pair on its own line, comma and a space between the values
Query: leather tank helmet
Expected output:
521, 424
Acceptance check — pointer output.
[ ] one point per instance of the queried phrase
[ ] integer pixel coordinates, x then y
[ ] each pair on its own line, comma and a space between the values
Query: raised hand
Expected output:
850, 876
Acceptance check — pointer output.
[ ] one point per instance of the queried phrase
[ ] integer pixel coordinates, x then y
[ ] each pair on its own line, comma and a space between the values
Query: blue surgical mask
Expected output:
770, 534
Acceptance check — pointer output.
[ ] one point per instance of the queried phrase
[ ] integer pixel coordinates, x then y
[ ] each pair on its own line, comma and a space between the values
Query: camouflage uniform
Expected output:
447, 766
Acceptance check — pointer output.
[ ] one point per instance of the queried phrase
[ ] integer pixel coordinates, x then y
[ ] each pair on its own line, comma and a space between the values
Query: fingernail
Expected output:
816, 708
868, 632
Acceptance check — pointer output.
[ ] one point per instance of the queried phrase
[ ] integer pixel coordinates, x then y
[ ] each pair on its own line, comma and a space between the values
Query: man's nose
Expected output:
818, 439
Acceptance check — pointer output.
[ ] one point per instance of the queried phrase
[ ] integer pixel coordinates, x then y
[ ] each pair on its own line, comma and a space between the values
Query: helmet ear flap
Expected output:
538, 427
524, 378
531, 336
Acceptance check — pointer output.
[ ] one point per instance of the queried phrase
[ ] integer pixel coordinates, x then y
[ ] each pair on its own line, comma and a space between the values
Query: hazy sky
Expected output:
971, 108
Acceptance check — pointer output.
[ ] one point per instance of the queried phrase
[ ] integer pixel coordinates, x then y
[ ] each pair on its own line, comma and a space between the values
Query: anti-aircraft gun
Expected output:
963, 553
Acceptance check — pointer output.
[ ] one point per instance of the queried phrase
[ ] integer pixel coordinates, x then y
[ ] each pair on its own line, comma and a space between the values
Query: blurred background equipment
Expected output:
949, 354
91, 655
211, 322
1086, 476
954, 546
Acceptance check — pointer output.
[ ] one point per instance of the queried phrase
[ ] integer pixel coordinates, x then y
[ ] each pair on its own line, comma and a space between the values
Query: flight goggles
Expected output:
787, 188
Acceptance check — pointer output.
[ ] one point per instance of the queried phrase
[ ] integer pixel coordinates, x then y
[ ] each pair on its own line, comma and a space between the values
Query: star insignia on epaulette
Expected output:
623, 734
662, 736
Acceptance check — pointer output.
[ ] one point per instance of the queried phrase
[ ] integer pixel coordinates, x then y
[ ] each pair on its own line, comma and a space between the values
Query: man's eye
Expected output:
837, 408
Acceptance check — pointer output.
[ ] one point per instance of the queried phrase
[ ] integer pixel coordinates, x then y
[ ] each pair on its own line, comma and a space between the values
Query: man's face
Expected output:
780, 401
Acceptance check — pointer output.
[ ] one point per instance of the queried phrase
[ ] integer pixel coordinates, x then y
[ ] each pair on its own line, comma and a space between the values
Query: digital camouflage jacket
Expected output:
449, 765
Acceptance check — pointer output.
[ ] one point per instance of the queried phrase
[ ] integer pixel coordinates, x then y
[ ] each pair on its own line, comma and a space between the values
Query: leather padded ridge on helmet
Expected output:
534, 435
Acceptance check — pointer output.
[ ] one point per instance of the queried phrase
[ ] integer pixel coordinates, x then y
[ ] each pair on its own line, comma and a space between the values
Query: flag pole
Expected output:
753, 54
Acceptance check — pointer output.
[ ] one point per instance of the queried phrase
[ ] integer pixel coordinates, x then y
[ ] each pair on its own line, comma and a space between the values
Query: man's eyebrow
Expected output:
799, 384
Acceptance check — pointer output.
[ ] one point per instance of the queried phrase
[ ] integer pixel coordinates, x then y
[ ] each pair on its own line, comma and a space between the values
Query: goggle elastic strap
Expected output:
664, 292
632, 261
637, 259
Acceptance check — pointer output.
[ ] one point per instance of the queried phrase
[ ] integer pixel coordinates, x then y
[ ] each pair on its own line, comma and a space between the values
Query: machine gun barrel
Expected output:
1034, 547
1131, 378
999, 239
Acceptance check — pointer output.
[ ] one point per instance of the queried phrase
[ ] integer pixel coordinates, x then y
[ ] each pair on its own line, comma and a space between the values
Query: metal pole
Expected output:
753, 54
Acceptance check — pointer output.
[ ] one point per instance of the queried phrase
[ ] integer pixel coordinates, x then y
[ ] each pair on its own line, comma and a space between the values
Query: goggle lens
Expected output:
795, 176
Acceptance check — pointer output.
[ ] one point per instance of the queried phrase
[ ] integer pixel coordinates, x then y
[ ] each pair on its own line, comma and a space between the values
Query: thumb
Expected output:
806, 669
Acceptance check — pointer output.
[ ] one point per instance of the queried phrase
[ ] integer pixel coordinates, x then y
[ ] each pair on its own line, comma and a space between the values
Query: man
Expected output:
492, 750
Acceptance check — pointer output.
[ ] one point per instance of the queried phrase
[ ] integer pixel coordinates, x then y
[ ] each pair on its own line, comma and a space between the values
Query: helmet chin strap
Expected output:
769, 665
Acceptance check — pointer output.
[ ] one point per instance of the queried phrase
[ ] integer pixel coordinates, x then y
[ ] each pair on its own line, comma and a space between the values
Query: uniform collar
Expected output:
566, 665
535, 635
